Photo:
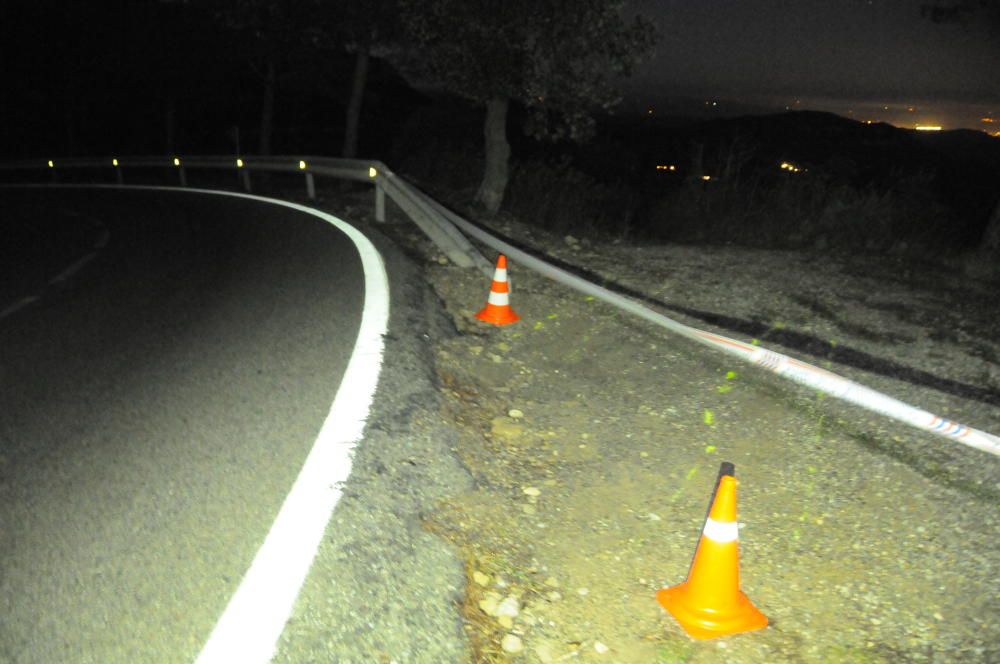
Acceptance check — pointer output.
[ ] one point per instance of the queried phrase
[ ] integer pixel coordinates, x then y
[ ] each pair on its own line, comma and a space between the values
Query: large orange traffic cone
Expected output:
710, 604
497, 310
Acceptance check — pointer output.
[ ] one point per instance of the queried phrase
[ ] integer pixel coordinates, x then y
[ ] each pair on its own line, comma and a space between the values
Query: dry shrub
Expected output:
803, 210
563, 199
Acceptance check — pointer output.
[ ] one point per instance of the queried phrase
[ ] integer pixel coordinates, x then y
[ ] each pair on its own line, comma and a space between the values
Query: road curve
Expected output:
156, 405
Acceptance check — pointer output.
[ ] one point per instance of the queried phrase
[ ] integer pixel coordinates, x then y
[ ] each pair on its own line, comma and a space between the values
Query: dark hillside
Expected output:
848, 184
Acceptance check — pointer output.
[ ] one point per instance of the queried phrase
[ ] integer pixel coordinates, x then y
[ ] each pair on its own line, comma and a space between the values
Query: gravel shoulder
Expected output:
593, 440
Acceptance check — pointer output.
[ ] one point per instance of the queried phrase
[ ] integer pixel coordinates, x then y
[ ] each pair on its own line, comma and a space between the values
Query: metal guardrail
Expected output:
442, 226
783, 365
455, 245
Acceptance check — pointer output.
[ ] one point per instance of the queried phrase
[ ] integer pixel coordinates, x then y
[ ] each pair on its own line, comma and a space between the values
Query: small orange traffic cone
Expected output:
710, 604
497, 310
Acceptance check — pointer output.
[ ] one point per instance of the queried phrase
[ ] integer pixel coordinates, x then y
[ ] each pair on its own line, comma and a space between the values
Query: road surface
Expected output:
165, 366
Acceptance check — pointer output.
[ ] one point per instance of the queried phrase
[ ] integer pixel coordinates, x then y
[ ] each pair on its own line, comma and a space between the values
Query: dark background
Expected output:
145, 77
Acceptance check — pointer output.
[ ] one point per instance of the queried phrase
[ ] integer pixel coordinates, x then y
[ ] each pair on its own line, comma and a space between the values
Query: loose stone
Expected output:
512, 643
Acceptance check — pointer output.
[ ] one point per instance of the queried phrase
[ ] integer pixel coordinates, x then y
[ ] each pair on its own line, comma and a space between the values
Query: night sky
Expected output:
84, 77
852, 57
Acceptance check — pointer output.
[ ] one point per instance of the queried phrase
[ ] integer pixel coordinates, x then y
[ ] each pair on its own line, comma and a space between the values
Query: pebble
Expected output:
531, 491
506, 622
515, 413
600, 648
510, 606
512, 643
480, 578
544, 653
490, 603
583, 592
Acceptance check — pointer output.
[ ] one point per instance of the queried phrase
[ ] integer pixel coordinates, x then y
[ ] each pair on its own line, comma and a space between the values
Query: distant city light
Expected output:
928, 128
114, 161
706, 178
666, 167
51, 165
987, 120
790, 167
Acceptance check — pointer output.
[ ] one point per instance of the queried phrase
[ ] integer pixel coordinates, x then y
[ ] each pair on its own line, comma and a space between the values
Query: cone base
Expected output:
707, 623
495, 315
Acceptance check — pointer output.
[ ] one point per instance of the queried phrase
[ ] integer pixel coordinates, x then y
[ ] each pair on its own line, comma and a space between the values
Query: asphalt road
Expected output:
165, 366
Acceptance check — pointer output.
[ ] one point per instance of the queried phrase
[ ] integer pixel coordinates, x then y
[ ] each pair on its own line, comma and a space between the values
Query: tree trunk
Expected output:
354, 104
267, 108
495, 175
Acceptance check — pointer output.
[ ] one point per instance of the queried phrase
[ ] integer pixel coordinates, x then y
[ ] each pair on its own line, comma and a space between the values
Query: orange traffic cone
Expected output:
710, 604
497, 310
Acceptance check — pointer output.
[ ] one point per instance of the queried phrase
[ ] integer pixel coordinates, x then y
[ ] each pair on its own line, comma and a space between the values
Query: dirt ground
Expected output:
595, 439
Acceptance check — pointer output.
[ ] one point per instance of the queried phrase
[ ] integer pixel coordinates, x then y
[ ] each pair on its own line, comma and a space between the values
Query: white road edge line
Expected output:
249, 628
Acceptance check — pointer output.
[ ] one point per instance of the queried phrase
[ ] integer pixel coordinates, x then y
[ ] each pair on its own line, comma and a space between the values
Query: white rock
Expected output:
532, 491
510, 606
515, 413
512, 643
544, 653
600, 648
490, 604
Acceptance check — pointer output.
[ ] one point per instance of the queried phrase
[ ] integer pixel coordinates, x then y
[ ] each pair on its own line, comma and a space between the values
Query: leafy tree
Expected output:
560, 59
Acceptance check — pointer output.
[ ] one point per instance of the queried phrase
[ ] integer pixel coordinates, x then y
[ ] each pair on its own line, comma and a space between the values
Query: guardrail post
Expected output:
379, 203
245, 177
310, 186
118, 175
183, 176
